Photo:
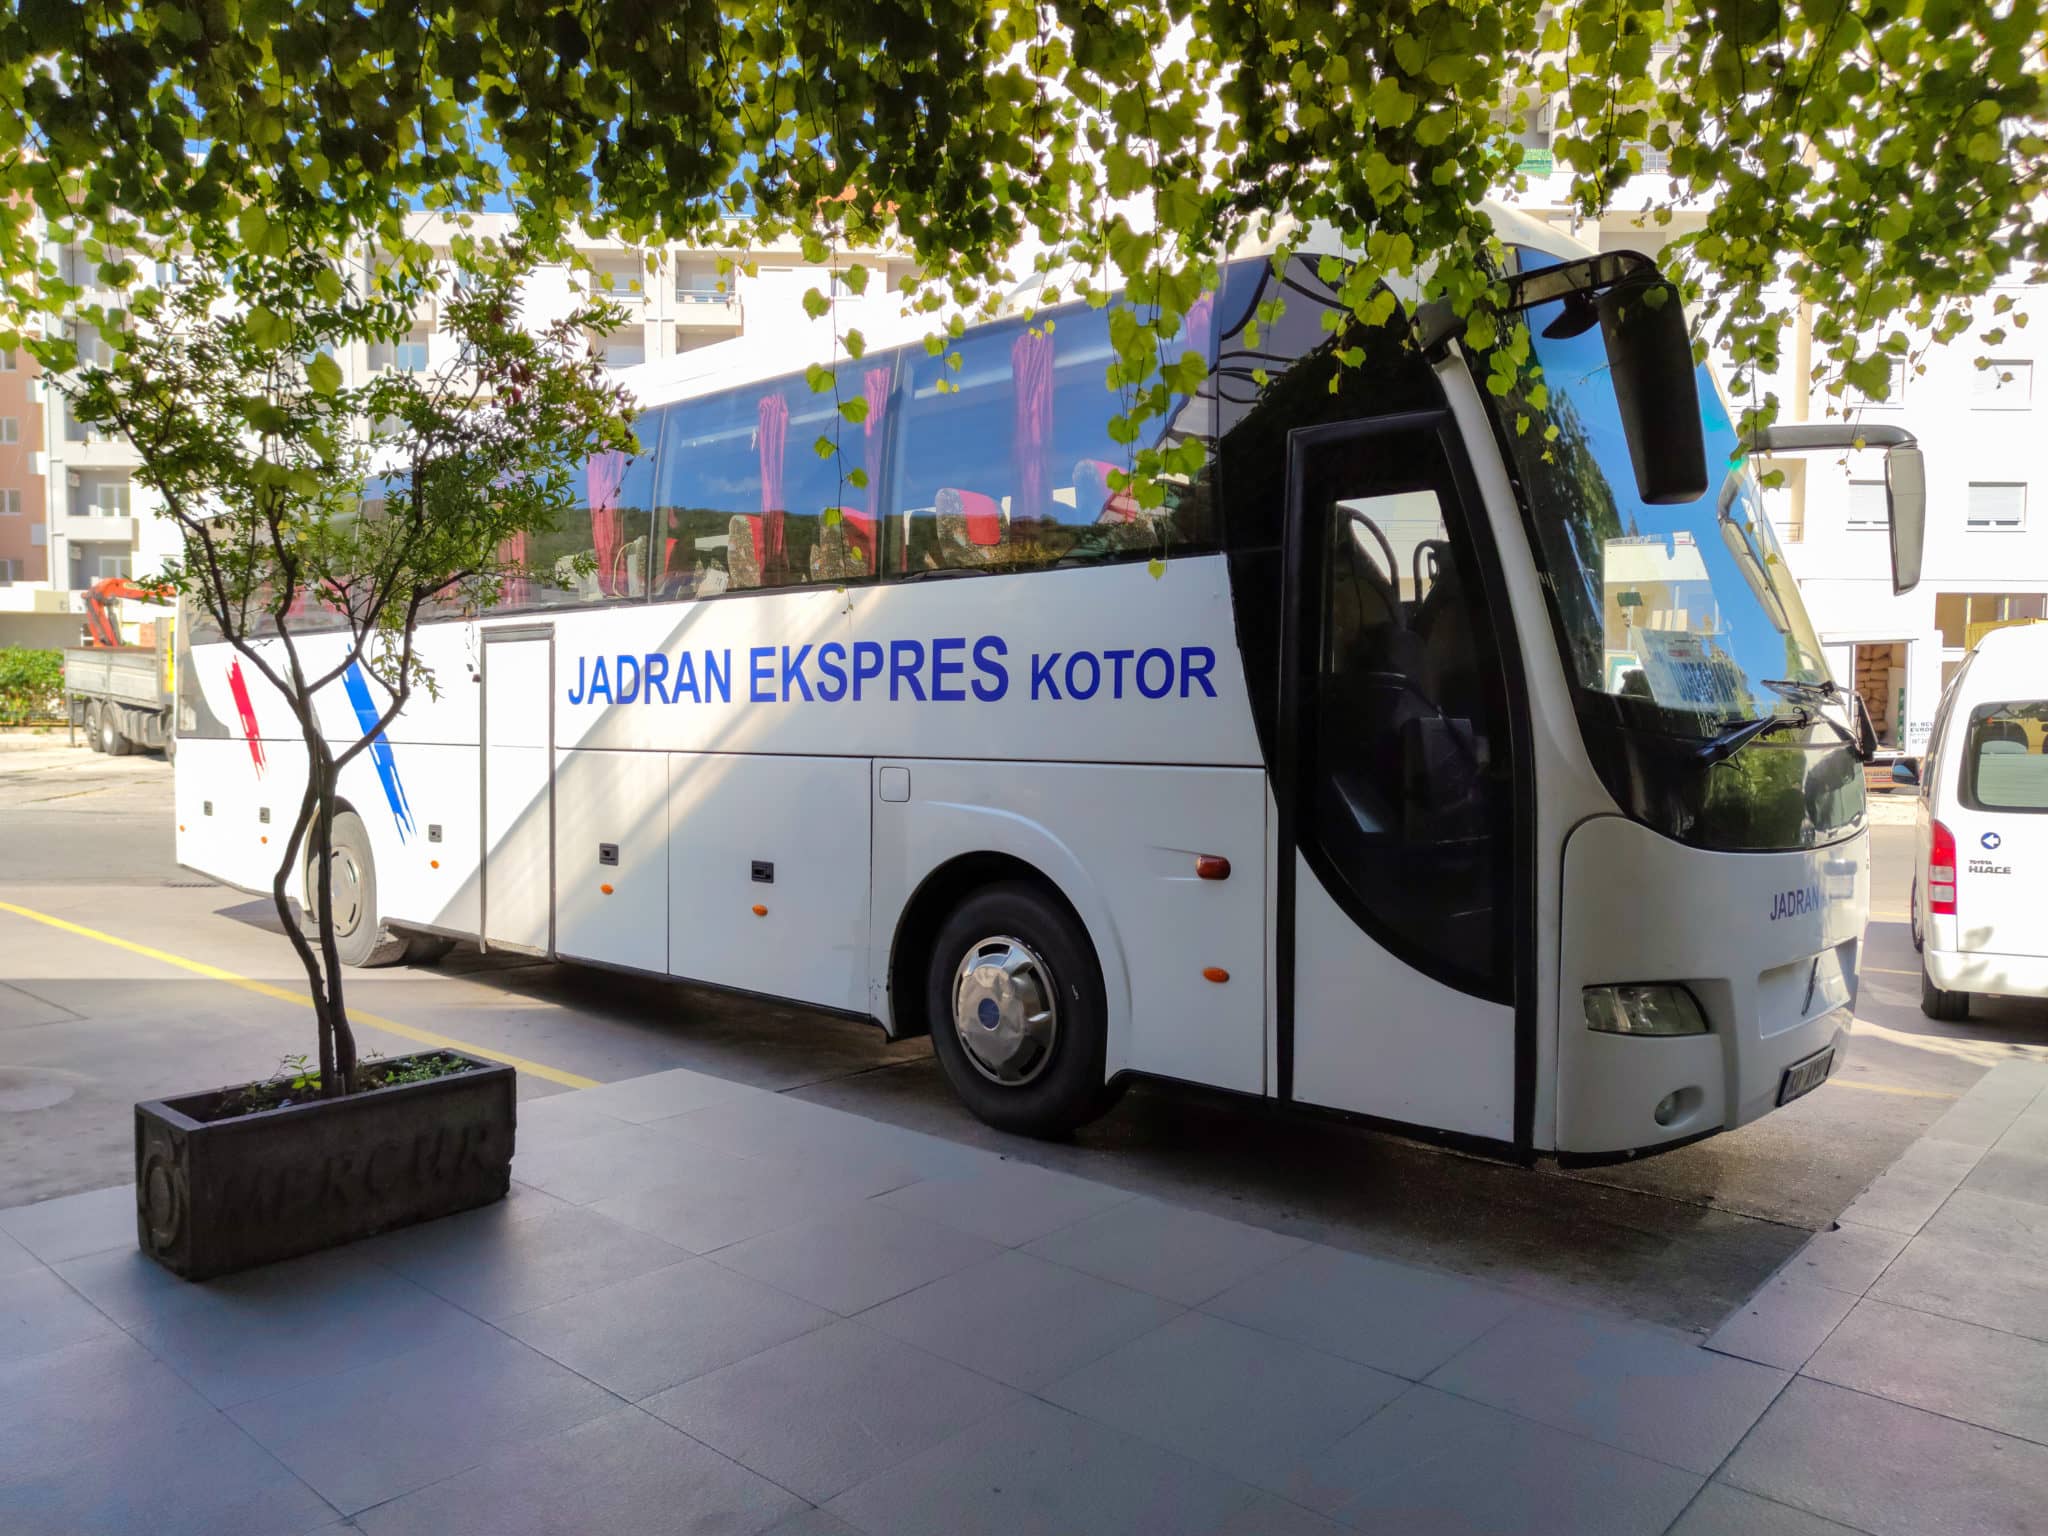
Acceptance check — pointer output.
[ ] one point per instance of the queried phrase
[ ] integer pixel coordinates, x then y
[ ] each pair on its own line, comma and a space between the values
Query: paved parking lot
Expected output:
87, 1027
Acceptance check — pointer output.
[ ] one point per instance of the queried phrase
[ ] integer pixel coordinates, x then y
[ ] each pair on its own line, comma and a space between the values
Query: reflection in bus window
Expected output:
597, 550
746, 501
1007, 462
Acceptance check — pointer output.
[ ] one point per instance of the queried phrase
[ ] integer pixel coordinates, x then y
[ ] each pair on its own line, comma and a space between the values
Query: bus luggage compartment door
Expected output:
517, 792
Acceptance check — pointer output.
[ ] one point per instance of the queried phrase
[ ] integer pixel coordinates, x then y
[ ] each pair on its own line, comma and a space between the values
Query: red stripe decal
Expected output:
239, 686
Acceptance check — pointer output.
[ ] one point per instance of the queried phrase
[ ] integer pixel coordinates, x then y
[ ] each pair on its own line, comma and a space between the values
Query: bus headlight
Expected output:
1653, 1009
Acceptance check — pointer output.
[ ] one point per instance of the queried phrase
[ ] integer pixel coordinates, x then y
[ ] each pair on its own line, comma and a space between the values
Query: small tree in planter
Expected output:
308, 506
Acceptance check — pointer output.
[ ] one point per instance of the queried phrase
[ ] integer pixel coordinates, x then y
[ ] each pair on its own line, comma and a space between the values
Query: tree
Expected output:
1881, 161
321, 521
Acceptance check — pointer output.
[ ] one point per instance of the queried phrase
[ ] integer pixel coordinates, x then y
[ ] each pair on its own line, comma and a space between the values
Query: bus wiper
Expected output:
1719, 749
1799, 692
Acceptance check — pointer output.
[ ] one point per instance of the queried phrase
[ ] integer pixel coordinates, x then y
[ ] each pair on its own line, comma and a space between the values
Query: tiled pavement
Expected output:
707, 1308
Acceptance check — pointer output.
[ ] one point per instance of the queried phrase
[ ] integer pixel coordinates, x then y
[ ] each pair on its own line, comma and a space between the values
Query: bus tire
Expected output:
113, 740
92, 728
360, 937
1018, 1019
1939, 1003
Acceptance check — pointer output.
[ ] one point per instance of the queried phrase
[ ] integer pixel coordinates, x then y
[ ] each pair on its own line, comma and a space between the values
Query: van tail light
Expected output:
1941, 873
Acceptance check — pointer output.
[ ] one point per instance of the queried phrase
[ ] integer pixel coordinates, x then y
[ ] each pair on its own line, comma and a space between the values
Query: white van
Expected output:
1980, 888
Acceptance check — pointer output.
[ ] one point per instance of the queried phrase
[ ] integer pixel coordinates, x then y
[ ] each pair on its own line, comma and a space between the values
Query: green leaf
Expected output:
1155, 567
323, 373
268, 329
816, 305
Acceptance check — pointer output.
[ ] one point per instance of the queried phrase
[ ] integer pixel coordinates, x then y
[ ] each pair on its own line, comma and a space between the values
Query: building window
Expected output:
1855, 399
10, 503
410, 355
38, 536
2005, 384
114, 565
626, 348
110, 498
1964, 617
1868, 507
10, 572
8, 361
10, 429
1997, 505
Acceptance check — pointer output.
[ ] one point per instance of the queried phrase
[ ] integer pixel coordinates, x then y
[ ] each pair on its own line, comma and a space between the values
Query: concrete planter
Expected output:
214, 1195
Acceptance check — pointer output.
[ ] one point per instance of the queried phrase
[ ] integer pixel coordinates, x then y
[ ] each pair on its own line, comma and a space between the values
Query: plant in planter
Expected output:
320, 521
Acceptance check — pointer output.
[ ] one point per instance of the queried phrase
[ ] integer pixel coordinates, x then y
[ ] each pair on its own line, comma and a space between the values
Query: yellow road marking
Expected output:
286, 995
1904, 1093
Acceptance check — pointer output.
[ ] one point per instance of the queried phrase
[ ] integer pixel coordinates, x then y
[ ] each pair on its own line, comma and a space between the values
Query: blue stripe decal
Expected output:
380, 750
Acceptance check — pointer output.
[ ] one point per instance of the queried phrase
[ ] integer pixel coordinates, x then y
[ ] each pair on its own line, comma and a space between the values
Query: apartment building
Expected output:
71, 512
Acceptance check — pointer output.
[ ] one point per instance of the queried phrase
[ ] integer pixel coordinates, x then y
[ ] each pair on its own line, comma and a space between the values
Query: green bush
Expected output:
31, 685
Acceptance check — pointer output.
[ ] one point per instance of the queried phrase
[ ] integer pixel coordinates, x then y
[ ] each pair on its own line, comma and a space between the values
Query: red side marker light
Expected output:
1212, 866
1215, 973
760, 911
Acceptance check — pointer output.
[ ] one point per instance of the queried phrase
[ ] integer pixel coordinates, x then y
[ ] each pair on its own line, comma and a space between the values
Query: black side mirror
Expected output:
1866, 728
1649, 351
1906, 770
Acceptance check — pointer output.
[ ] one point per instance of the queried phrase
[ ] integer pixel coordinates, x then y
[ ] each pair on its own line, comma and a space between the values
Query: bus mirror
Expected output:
1649, 353
1905, 484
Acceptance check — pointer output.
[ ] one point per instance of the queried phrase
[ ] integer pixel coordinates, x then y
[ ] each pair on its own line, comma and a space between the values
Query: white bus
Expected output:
1469, 768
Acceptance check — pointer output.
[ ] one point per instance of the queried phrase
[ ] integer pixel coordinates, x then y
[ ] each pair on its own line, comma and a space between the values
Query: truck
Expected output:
123, 695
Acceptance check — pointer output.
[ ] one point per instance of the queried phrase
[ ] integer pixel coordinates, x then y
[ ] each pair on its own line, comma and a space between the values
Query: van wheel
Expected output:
1938, 1003
113, 740
1018, 1021
1913, 919
360, 938
92, 728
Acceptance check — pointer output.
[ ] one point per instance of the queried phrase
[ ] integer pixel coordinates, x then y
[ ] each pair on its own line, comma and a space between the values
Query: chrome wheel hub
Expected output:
344, 889
1005, 1010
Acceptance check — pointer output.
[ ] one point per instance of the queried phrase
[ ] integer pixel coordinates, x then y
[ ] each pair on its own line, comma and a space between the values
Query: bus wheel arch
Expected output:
1047, 1075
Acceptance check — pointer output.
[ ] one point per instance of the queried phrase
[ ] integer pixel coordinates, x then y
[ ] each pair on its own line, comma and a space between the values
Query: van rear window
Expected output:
2005, 757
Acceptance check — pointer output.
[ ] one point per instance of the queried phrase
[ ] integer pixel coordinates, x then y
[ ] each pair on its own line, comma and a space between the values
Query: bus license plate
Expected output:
1805, 1076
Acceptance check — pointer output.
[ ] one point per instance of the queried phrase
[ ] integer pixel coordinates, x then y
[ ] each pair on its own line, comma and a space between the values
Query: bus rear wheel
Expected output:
1018, 1021
360, 937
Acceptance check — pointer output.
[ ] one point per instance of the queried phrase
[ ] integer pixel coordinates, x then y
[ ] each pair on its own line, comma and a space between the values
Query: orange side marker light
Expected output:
1212, 866
606, 889
759, 910
1215, 973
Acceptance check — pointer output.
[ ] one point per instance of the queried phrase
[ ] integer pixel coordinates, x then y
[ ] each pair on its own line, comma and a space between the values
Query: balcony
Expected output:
91, 528
706, 309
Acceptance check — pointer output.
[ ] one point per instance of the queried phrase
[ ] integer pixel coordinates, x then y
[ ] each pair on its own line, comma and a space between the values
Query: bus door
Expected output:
1397, 900
517, 794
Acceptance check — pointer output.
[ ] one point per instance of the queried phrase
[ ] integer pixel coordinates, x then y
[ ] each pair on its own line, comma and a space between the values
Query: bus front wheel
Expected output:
1018, 1021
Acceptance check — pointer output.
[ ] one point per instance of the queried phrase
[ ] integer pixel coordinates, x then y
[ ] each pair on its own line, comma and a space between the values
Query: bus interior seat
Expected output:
973, 529
845, 550
743, 551
1092, 493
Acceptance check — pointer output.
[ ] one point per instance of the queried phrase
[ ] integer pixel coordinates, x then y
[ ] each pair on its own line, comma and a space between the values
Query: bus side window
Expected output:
748, 503
597, 550
1006, 462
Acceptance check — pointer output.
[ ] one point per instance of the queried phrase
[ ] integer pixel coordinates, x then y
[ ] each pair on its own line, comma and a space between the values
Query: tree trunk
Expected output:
289, 871
336, 1036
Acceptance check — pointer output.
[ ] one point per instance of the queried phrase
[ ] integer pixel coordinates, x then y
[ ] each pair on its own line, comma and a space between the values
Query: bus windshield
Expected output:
1688, 612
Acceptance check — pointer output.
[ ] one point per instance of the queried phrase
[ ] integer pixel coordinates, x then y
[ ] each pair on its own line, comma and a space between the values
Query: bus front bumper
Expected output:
1765, 943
